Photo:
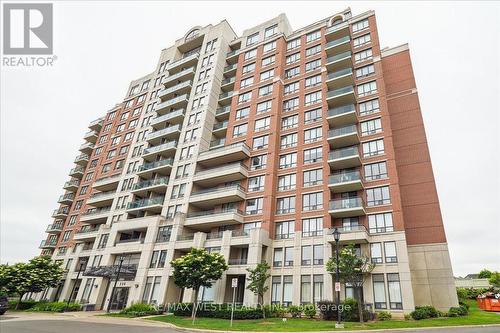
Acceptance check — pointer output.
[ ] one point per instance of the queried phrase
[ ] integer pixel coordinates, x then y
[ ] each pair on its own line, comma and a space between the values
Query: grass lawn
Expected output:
475, 317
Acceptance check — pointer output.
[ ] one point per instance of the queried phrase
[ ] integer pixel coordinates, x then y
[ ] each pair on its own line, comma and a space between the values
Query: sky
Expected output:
102, 46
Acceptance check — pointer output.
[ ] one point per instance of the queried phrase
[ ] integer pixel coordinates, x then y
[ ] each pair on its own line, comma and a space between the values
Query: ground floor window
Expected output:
87, 290
394, 287
379, 291
151, 290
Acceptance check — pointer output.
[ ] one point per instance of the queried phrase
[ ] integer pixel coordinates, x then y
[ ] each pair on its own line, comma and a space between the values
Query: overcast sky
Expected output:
102, 46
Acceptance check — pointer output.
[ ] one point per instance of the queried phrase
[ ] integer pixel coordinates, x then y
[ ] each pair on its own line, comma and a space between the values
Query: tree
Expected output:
485, 274
353, 269
257, 282
35, 276
198, 269
494, 279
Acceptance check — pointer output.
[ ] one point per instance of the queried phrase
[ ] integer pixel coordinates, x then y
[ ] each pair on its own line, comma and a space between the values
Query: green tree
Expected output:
257, 279
353, 269
35, 276
484, 274
494, 279
198, 269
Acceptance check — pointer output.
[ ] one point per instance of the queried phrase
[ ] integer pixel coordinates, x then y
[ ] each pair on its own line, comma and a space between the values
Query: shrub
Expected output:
423, 312
295, 311
56, 307
222, 311
140, 310
350, 310
471, 293
464, 304
407, 316
310, 311
24, 305
384, 315
327, 310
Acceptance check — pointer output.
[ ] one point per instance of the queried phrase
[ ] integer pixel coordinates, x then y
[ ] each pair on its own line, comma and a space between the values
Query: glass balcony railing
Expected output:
172, 101
344, 177
165, 131
348, 203
341, 110
352, 228
185, 237
165, 146
60, 211
97, 211
72, 183
157, 164
338, 41
82, 157
223, 110
107, 179
180, 74
218, 189
217, 143
54, 227
221, 168
145, 203
87, 229
219, 126
239, 261
229, 68
48, 243
228, 81
66, 197
214, 212
184, 59
339, 73
168, 116
337, 27
340, 91
226, 95
100, 195
339, 56
232, 53
343, 153
151, 182
346, 130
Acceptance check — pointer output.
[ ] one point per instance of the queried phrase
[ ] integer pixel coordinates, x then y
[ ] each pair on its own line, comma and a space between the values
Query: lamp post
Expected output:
336, 236
121, 258
82, 263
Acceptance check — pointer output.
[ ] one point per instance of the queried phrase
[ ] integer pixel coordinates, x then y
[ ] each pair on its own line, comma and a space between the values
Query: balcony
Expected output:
173, 117
185, 61
344, 158
340, 78
170, 132
342, 115
228, 84
157, 185
48, 244
230, 70
60, 213
96, 124
225, 98
343, 136
353, 234
77, 172
87, 147
223, 112
66, 199
337, 31
71, 185
86, 233
338, 45
108, 183
223, 155
217, 196
101, 199
232, 56
96, 215
206, 220
345, 182
91, 136
166, 149
341, 96
181, 88
152, 205
183, 75
54, 228
349, 207
220, 128
176, 102
163, 167
219, 175
82, 160
237, 261
339, 61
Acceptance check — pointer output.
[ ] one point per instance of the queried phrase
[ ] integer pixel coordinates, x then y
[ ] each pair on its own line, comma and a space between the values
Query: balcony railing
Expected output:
164, 146
222, 168
106, 179
215, 235
229, 68
226, 95
340, 91
218, 189
337, 27
240, 233
145, 203
82, 157
180, 74
339, 57
341, 110
87, 229
240, 261
66, 197
214, 212
102, 194
157, 164
61, 211
228, 81
168, 116
151, 182
48, 243
185, 237
54, 227
172, 101
185, 58
343, 152
130, 240
165, 131
215, 144
97, 211
218, 126
344, 177
222, 110
347, 203
338, 41
72, 183
77, 169
349, 129
353, 228
339, 73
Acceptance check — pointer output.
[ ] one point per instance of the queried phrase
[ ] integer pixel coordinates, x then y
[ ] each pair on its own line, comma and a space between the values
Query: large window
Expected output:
285, 229
291, 104
361, 25
379, 291
362, 40
313, 177
312, 227
258, 162
366, 89
312, 201
292, 58
262, 124
312, 65
312, 81
317, 288
313, 134
371, 127
288, 161
293, 44
278, 257
164, 233
253, 38
285, 205
312, 98
378, 223
264, 106
268, 47
289, 122
287, 182
291, 88
373, 148
287, 290
394, 287
240, 130
375, 171
256, 183
289, 73
276, 290
265, 90
245, 97
313, 155
365, 71
378, 196
261, 142
368, 107
270, 31
254, 206
363, 55
288, 257
313, 50
306, 255
305, 289
390, 252
288, 140
376, 253
312, 36
242, 113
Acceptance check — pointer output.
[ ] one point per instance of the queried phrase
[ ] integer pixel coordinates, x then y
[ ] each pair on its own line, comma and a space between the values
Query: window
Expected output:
287, 182
312, 116
363, 55
313, 50
350, 223
265, 90
267, 75
268, 61
318, 254
288, 161
368, 88
313, 81
373, 148
312, 135
276, 290
313, 177
312, 65
312, 227
289, 140
312, 98
285, 205
369, 107
245, 97
264, 106
251, 225
376, 253
269, 46
254, 206
379, 291
365, 71
256, 184
246, 82
278, 257
284, 230
371, 127
258, 162
317, 288
375, 171
292, 58
312, 201
261, 142
289, 122
390, 252
312, 36
72, 220
293, 44
66, 236
290, 104
250, 54
289, 73
305, 289
154, 259
291, 88
271, 31
248, 68
378, 223
394, 291
164, 233
87, 290
358, 26
378, 196
306, 255
288, 257
253, 38
103, 241
240, 130
242, 113
313, 155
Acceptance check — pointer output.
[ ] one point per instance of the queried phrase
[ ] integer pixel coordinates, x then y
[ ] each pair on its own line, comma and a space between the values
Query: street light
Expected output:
336, 236
82, 263
121, 258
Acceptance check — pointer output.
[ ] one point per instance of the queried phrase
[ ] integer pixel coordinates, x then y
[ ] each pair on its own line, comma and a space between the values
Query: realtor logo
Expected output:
27, 28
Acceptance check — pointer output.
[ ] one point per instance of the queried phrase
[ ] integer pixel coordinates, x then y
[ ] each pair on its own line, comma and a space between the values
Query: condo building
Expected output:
258, 146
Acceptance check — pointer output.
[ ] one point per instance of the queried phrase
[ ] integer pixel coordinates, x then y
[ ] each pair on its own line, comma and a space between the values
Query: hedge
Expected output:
221, 311
56, 307
140, 310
